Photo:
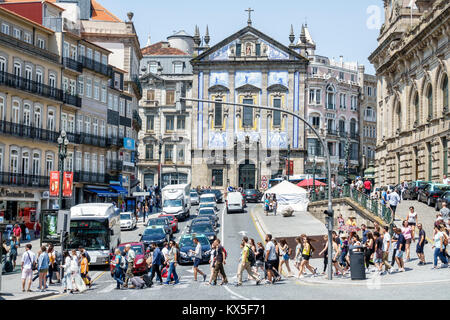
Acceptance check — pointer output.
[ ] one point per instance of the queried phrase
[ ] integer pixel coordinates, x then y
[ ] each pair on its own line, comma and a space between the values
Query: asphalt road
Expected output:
231, 229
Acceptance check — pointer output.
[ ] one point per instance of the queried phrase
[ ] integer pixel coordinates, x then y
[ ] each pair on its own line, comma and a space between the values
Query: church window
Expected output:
430, 101
247, 120
238, 49
277, 114
258, 49
218, 113
445, 93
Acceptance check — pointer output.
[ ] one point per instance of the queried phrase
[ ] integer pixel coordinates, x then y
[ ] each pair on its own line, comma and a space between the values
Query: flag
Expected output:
67, 184
54, 183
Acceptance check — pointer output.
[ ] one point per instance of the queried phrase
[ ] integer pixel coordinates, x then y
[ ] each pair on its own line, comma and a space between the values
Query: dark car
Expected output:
210, 213
445, 197
252, 195
140, 265
202, 219
186, 244
154, 234
203, 228
161, 221
432, 192
218, 194
413, 189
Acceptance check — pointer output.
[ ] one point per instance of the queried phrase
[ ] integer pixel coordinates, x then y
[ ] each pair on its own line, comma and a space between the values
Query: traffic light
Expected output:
180, 92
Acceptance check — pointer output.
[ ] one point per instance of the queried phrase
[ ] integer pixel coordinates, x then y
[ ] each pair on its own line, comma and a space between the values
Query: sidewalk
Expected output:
303, 222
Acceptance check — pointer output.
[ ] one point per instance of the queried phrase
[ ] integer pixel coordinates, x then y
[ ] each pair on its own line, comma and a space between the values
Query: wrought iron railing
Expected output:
24, 180
373, 205
23, 131
73, 64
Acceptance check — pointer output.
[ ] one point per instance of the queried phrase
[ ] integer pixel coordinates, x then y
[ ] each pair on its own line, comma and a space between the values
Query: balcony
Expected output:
331, 132
72, 100
343, 134
30, 86
6, 40
96, 66
354, 136
24, 180
73, 64
89, 139
90, 177
114, 165
114, 141
128, 169
23, 131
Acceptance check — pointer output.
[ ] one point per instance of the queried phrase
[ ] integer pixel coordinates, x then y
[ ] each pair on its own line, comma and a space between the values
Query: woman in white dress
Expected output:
67, 280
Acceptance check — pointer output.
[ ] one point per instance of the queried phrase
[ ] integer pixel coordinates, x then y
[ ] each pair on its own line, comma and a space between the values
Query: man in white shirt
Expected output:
446, 180
197, 259
386, 247
28, 258
394, 200
271, 258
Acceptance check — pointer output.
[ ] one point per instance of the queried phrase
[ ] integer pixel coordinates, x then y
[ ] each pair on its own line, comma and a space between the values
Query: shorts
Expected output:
27, 274
408, 241
271, 264
196, 262
419, 248
306, 257
286, 257
378, 260
259, 264
399, 254
411, 224
43, 270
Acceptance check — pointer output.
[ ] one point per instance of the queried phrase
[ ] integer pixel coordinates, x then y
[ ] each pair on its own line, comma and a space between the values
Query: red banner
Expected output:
289, 167
67, 184
54, 183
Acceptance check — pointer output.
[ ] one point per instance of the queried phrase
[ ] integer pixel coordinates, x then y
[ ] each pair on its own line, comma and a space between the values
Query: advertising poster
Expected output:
54, 183
50, 226
67, 184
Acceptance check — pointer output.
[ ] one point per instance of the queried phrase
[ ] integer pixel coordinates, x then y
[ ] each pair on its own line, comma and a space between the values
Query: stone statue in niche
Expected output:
248, 50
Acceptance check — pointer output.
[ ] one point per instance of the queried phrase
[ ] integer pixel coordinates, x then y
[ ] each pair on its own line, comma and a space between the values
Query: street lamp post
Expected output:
347, 154
62, 152
314, 179
159, 161
288, 162
329, 212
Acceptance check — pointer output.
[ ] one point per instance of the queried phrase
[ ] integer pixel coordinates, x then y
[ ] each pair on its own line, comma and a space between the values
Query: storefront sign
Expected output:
7, 193
67, 184
54, 183
128, 144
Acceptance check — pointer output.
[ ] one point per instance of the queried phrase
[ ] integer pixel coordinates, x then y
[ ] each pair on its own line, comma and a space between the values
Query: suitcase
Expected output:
147, 281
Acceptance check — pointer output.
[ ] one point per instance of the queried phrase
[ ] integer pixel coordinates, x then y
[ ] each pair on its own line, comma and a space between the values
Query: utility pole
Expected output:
329, 212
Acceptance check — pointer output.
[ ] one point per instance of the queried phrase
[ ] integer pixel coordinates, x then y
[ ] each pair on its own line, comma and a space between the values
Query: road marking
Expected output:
235, 294
299, 282
108, 288
243, 233
256, 227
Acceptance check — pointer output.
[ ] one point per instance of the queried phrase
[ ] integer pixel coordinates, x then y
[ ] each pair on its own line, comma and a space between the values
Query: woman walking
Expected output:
407, 233
14, 245
370, 249
53, 267
307, 252
285, 252
212, 262
439, 246
43, 263
67, 281
266, 205
85, 270
412, 222
259, 256
298, 253
324, 252
118, 263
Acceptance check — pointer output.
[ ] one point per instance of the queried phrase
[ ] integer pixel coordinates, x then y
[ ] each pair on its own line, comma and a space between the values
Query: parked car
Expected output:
172, 221
252, 195
163, 222
186, 244
140, 266
195, 198
235, 202
154, 234
204, 228
445, 197
432, 192
218, 194
128, 221
413, 189
210, 213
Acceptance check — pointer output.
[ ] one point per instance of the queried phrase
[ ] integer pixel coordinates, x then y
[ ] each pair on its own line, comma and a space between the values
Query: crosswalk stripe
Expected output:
108, 289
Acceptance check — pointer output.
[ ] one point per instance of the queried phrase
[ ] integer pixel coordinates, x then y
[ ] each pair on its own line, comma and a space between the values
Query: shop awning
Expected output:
102, 193
120, 190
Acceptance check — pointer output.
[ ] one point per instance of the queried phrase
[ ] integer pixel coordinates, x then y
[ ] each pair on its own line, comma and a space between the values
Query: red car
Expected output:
173, 221
140, 266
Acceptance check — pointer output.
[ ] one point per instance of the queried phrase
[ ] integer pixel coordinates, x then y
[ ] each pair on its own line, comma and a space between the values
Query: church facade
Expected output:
412, 63
241, 146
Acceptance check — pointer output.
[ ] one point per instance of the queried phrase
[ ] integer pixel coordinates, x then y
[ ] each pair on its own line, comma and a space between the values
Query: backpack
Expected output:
225, 253
87, 256
123, 263
445, 239
251, 257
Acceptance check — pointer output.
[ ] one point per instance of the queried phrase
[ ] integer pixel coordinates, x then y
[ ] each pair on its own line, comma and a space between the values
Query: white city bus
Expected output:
96, 228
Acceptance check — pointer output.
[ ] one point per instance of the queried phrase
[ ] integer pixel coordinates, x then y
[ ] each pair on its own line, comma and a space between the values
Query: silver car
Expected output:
195, 199
127, 221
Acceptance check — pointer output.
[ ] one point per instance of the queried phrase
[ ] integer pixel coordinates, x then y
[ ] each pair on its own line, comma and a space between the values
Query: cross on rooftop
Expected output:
249, 10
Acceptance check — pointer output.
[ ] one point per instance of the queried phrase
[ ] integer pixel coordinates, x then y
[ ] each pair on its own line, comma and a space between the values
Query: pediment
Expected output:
218, 88
277, 87
248, 88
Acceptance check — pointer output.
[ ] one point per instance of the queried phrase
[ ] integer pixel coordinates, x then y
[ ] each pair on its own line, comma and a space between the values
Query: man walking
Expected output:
157, 261
401, 244
245, 264
445, 212
421, 245
220, 257
271, 259
131, 255
28, 259
197, 259
394, 200
367, 187
386, 248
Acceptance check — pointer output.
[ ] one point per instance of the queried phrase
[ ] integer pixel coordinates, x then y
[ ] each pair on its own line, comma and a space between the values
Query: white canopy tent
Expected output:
288, 194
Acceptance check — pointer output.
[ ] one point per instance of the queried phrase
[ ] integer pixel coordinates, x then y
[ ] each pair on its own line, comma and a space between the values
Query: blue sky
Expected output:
337, 27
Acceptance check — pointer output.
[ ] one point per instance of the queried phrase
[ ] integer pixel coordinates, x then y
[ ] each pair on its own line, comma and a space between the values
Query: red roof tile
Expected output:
162, 49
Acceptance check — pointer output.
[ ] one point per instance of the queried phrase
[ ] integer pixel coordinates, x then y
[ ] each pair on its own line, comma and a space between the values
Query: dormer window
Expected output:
178, 67
153, 67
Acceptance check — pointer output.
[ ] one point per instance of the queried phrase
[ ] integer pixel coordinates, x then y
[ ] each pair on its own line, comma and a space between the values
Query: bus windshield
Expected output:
91, 235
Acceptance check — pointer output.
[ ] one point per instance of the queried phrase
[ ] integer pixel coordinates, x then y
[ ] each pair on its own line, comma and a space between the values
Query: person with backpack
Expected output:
220, 256
28, 264
119, 265
248, 260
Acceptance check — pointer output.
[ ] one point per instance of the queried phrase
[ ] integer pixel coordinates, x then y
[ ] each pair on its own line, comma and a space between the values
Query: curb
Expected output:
35, 297
369, 282
260, 226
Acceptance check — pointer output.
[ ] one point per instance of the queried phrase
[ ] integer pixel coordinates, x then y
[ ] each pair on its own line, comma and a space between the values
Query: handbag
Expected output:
33, 263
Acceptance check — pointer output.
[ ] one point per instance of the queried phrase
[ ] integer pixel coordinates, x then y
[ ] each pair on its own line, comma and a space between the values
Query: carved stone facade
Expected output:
413, 63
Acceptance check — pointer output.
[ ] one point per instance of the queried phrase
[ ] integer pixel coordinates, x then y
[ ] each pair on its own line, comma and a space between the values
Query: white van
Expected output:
235, 202
176, 200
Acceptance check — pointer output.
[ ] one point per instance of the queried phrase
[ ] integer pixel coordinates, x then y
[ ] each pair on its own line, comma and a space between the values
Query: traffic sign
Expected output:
264, 178
264, 185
